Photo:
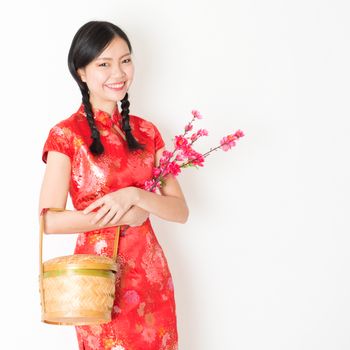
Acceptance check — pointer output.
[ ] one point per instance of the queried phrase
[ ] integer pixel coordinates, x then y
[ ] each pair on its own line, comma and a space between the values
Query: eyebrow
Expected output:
109, 58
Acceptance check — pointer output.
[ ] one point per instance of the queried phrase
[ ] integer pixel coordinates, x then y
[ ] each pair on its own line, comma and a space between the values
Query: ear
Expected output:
81, 73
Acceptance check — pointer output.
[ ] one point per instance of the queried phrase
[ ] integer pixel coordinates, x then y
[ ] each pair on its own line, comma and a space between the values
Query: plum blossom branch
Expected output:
184, 152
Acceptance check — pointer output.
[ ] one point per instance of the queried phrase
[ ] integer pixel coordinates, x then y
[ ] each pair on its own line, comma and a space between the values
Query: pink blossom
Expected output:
194, 137
228, 142
202, 132
180, 156
195, 158
173, 168
151, 185
199, 133
148, 184
180, 142
156, 172
188, 127
199, 160
239, 133
190, 153
166, 155
196, 114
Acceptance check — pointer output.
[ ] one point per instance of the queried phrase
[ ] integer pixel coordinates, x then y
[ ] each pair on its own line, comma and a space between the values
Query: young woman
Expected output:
102, 156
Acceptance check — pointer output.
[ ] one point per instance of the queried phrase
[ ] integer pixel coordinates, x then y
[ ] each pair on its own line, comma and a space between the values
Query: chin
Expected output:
115, 98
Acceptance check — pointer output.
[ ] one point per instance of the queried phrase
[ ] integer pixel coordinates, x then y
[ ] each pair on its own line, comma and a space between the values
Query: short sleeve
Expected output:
57, 140
158, 140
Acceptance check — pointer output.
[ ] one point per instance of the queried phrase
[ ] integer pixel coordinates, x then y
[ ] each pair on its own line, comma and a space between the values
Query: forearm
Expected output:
75, 221
169, 208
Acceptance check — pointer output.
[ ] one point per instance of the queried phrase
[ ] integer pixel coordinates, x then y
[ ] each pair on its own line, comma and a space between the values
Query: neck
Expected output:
110, 111
109, 107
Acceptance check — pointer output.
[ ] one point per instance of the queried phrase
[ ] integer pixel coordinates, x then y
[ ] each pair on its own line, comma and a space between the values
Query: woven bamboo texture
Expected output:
79, 299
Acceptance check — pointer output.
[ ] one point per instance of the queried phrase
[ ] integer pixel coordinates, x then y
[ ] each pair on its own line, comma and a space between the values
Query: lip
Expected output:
114, 88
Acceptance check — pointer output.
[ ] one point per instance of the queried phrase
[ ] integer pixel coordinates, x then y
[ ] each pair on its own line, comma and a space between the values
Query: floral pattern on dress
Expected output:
144, 309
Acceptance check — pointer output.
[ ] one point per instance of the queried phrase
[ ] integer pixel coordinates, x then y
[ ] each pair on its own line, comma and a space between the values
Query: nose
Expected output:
117, 71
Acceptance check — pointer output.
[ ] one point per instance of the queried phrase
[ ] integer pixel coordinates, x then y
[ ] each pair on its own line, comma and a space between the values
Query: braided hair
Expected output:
89, 41
132, 143
96, 146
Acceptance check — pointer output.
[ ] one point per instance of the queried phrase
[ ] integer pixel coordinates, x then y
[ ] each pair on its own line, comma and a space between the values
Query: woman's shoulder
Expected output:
144, 125
69, 124
149, 129
61, 136
137, 119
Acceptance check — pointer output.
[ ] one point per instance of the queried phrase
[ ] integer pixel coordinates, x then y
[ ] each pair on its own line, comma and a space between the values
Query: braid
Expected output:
132, 142
96, 146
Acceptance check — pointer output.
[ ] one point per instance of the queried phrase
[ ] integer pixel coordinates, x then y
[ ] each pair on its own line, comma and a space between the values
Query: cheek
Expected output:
129, 71
97, 78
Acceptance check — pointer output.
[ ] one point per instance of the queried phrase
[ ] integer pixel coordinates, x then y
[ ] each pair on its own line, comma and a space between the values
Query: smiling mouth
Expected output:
117, 86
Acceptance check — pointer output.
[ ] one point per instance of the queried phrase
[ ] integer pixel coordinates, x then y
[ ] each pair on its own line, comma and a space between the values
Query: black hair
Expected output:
89, 41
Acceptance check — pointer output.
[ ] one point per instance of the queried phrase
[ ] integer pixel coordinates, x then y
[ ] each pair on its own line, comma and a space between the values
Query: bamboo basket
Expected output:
77, 289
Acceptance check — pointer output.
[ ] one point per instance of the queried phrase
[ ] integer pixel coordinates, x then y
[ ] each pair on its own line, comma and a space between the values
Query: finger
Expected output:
115, 219
92, 206
108, 217
100, 214
118, 216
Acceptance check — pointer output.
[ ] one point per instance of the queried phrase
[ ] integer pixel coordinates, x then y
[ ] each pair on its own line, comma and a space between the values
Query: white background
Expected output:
263, 261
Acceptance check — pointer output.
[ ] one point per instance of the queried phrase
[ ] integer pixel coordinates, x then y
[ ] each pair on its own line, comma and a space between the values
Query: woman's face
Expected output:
109, 75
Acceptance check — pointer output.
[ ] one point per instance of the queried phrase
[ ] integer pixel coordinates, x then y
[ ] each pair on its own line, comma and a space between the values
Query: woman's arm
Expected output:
54, 194
74, 221
170, 205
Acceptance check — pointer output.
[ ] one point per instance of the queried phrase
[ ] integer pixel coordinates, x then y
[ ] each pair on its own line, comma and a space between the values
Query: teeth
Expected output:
116, 86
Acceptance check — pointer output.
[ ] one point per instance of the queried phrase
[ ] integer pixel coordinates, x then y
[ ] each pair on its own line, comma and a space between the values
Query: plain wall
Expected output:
263, 261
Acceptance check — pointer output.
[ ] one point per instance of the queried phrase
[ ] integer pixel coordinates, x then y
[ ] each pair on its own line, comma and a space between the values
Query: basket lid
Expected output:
80, 261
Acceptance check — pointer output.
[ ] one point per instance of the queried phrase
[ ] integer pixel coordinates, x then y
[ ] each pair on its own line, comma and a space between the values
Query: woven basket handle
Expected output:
41, 266
42, 229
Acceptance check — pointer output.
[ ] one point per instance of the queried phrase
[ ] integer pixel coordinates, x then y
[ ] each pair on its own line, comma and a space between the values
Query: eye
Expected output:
104, 64
127, 60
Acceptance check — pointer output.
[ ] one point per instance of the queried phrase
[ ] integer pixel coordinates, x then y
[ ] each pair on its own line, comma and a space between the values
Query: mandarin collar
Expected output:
103, 117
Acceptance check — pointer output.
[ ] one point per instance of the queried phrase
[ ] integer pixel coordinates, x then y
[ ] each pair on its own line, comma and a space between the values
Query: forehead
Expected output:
116, 49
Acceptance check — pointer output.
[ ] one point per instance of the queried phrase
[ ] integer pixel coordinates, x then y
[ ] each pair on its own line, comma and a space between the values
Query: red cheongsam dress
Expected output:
144, 312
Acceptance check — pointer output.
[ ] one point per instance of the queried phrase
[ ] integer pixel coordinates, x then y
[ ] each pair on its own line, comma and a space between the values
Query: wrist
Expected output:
137, 195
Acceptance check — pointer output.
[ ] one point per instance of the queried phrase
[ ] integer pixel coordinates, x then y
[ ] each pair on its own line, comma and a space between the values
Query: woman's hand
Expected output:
136, 216
113, 205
